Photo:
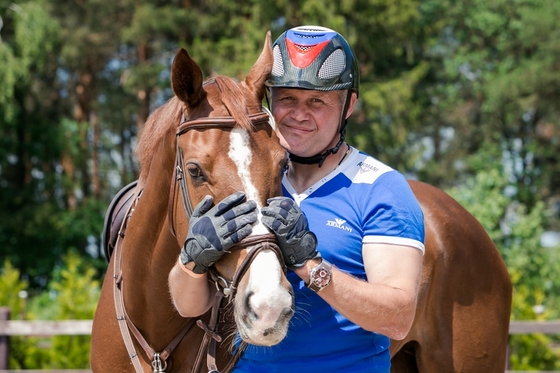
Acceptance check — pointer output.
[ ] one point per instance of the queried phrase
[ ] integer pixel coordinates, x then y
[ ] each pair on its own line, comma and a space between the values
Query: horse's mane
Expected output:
167, 117
159, 122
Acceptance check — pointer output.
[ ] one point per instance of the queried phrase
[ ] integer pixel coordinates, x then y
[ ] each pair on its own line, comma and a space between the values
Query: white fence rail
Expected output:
83, 327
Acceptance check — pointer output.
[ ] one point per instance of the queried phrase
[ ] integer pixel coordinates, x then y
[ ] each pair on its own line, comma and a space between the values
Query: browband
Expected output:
219, 122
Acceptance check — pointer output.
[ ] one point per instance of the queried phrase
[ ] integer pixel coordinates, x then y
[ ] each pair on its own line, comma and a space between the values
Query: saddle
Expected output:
114, 217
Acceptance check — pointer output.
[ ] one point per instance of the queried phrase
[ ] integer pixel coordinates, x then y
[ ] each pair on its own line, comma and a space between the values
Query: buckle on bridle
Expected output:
225, 285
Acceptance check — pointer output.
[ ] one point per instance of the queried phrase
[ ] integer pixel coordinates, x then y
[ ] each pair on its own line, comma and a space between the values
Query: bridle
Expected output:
226, 289
225, 123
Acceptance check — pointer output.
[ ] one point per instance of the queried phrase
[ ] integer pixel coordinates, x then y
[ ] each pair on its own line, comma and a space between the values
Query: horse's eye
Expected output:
285, 164
194, 171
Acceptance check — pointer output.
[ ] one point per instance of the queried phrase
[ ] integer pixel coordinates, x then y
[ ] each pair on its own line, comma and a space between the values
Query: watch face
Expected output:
321, 277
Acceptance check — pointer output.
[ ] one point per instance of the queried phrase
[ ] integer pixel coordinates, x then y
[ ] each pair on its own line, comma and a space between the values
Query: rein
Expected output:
226, 290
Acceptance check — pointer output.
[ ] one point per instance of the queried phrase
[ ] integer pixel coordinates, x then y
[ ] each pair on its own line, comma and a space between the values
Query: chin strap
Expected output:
320, 158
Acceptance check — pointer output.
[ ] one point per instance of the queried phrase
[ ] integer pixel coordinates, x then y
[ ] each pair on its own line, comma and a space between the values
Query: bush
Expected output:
72, 295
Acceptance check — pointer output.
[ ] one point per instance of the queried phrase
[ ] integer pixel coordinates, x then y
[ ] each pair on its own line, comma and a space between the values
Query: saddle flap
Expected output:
114, 217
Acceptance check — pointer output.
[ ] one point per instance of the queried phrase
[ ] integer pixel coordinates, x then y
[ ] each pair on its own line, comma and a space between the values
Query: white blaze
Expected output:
240, 153
269, 298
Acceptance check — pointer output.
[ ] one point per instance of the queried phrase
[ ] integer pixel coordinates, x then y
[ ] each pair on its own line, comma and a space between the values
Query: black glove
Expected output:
213, 231
285, 219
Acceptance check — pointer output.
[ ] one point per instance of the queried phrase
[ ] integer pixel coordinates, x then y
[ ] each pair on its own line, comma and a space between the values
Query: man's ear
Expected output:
351, 104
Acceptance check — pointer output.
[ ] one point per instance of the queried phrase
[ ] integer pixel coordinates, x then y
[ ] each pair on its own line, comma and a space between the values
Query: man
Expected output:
341, 206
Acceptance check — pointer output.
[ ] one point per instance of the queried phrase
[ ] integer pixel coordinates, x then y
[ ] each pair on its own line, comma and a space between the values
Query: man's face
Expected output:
307, 121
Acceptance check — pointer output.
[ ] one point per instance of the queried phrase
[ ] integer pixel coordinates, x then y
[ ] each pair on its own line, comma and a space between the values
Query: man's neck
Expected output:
303, 176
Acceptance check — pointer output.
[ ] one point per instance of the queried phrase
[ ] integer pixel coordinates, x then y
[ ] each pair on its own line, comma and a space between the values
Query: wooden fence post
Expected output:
4, 341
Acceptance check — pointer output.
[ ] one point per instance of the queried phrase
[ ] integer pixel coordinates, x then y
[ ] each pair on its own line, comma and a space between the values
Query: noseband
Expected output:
257, 243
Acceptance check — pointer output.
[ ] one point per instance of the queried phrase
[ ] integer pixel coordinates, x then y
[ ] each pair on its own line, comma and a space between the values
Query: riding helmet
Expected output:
314, 57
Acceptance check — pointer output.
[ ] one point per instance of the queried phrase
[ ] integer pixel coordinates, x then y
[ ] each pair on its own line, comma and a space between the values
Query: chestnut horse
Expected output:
464, 304
462, 319
212, 138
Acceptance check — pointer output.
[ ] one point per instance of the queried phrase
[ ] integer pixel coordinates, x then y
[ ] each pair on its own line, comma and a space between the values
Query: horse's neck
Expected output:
149, 252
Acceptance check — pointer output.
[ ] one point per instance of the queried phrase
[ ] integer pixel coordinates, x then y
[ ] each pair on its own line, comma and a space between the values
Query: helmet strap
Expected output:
319, 159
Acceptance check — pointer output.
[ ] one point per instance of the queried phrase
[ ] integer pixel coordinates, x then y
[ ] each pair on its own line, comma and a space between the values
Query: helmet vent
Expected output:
304, 48
334, 65
278, 65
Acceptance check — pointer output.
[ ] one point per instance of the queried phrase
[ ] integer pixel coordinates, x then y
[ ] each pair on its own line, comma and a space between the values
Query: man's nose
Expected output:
300, 112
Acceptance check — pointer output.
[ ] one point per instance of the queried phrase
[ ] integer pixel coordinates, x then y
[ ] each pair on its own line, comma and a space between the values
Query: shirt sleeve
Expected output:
392, 213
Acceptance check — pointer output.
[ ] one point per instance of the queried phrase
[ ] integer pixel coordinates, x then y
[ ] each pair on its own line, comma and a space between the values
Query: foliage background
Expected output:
461, 94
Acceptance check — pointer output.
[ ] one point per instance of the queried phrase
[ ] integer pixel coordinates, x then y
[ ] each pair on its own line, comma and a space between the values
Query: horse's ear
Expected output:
187, 79
261, 70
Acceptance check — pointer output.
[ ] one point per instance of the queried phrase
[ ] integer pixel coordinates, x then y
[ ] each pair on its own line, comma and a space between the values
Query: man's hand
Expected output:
285, 219
213, 231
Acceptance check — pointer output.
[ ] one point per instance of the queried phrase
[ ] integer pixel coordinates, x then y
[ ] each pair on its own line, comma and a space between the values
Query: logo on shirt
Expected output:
364, 167
338, 223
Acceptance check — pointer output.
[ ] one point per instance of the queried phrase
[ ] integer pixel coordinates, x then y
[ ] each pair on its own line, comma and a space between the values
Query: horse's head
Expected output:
226, 143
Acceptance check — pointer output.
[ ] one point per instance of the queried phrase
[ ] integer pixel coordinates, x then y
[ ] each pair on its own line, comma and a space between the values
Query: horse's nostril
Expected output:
268, 331
249, 312
287, 312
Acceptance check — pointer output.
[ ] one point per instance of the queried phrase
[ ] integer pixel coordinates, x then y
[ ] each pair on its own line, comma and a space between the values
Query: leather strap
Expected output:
260, 242
225, 291
210, 336
118, 296
126, 325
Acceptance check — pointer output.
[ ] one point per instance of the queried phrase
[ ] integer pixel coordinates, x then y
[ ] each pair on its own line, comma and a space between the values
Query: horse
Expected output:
464, 303
462, 318
211, 138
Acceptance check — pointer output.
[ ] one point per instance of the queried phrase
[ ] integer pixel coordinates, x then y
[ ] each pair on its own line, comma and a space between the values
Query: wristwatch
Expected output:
320, 276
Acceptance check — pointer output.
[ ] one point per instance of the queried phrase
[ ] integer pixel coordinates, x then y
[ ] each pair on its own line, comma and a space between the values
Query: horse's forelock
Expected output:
234, 100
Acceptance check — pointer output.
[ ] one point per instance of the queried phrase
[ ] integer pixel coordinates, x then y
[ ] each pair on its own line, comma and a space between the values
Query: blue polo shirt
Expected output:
362, 201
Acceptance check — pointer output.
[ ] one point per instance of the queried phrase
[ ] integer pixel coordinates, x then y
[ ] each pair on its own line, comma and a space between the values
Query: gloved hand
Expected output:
213, 231
285, 219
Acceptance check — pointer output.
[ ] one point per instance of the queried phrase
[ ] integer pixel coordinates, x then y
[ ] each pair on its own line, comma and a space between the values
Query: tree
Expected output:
494, 80
29, 102
533, 268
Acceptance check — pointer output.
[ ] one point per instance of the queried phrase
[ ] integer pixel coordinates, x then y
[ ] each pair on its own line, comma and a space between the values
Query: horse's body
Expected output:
462, 319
